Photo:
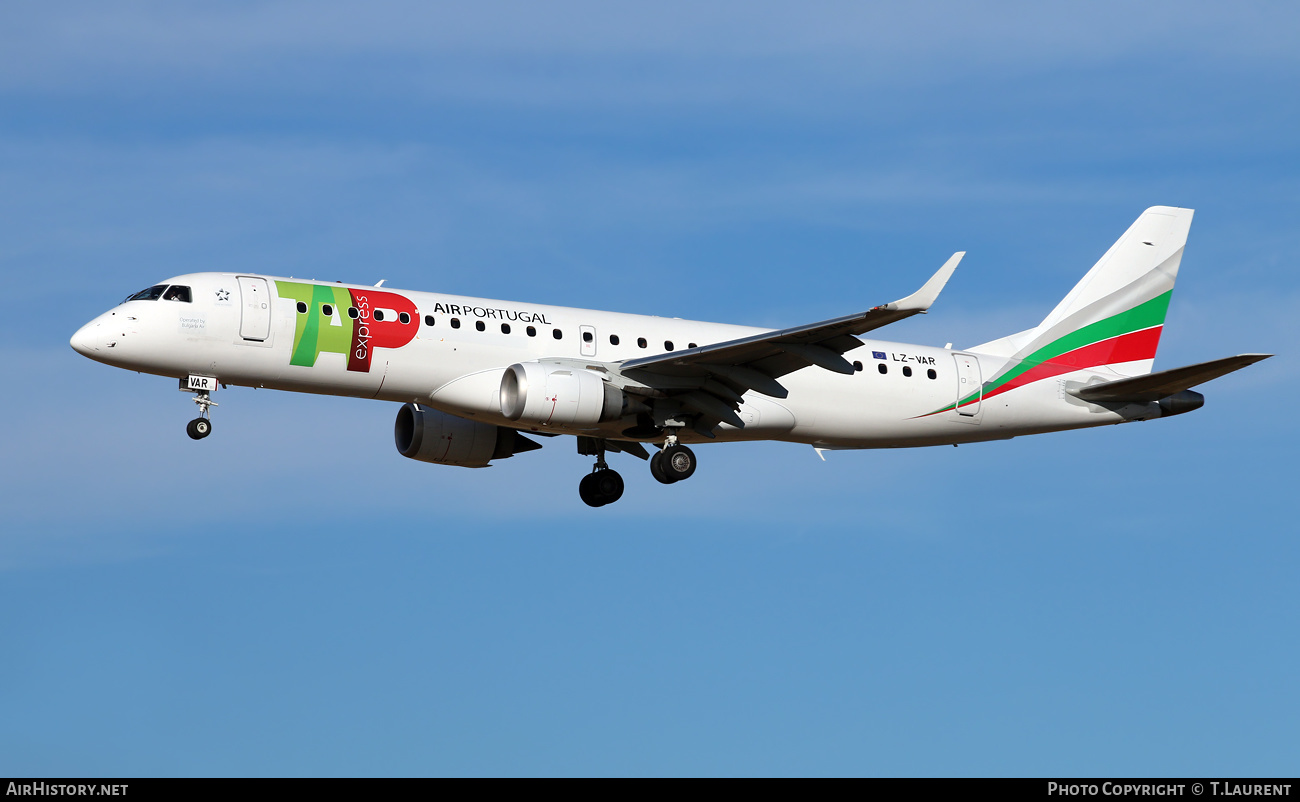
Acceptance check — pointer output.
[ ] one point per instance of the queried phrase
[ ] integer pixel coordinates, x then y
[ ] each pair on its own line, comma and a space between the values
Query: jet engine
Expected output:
556, 395
431, 436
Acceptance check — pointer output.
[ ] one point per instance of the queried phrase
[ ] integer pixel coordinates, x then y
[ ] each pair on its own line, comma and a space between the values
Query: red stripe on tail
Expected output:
1129, 347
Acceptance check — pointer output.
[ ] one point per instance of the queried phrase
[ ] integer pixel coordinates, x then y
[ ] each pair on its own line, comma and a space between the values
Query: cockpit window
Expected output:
177, 293
152, 294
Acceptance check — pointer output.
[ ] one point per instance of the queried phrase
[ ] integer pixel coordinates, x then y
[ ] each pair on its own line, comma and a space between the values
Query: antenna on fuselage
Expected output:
381, 282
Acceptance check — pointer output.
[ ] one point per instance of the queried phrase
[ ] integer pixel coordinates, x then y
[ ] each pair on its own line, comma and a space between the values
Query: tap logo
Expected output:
344, 321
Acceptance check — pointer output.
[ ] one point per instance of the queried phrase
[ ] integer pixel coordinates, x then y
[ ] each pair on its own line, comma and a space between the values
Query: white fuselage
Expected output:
450, 352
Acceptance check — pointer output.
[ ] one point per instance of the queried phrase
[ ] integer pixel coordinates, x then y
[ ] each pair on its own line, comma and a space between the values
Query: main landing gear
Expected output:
674, 462
201, 426
603, 485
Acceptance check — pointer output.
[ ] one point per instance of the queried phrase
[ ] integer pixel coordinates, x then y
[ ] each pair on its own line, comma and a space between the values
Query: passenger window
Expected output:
177, 293
353, 313
378, 316
478, 324
932, 374
857, 366
883, 368
692, 345
641, 343
613, 339
327, 310
668, 345
302, 308
530, 331
428, 320
907, 370
404, 318
455, 323
557, 334
588, 336
505, 328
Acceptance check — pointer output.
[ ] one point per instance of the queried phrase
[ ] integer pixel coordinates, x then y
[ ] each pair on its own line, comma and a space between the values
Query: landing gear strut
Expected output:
201, 426
603, 485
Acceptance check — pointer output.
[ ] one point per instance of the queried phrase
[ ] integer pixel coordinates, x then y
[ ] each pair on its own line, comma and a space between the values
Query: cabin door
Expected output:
255, 309
969, 386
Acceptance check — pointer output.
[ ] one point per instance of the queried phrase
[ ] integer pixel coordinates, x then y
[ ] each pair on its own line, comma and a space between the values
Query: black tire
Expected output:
677, 462
589, 493
657, 468
609, 485
198, 428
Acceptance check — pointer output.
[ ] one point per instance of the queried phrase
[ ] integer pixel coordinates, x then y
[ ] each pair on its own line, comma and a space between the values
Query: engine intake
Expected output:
429, 435
555, 395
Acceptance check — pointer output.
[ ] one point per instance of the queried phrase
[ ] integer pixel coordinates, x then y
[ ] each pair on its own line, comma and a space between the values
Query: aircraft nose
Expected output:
84, 341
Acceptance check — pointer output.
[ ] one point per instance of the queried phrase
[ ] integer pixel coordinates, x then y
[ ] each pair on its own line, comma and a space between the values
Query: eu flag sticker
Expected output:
878, 354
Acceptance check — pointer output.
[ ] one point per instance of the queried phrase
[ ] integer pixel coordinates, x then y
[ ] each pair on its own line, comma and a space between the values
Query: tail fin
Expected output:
1114, 316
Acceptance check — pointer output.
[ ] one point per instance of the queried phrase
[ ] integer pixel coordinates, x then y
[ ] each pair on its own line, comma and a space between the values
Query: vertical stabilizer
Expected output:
1112, 318
1141, 266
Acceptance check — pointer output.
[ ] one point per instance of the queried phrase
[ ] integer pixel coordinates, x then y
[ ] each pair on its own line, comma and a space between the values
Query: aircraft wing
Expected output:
1155, 386
712, 378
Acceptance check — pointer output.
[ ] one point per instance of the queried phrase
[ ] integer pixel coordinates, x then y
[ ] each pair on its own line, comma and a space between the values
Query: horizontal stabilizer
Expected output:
1155, 386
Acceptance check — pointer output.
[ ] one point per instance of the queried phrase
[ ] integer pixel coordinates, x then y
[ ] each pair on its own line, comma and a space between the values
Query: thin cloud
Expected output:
683, 52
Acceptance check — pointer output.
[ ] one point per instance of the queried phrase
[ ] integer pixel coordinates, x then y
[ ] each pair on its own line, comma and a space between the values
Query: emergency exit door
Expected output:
588, 336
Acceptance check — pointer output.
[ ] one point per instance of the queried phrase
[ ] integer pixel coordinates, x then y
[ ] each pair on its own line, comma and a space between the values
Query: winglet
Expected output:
922, 298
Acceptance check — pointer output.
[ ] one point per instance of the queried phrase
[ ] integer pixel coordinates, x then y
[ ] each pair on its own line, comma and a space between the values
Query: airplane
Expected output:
476, 377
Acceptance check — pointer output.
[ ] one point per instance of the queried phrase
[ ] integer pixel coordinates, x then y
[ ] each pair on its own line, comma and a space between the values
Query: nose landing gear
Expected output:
198, 428
201, 426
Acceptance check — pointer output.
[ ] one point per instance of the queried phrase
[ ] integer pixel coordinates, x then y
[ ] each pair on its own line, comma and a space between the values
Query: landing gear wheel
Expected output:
601, 488
587, 491
201, 426
657, 468
677, 462
609, 485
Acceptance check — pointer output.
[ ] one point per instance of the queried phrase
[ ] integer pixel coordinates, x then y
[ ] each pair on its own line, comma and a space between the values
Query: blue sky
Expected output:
291, 596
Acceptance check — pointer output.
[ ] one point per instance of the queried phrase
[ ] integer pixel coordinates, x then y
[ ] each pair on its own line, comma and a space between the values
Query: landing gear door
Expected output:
588, 336
255, 309
969, 387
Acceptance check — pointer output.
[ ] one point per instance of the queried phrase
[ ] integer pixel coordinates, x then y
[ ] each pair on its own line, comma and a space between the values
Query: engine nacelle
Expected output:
431, 436
555, 395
